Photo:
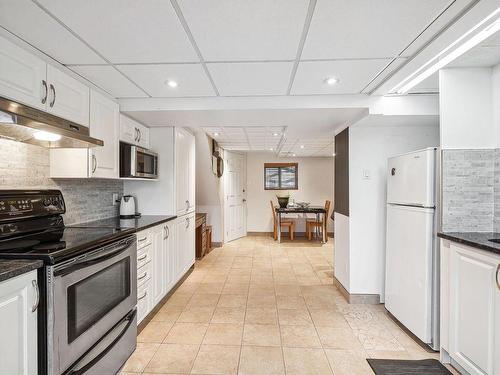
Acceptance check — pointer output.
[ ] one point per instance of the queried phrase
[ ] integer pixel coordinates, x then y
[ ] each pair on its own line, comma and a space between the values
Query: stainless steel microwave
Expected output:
137, 162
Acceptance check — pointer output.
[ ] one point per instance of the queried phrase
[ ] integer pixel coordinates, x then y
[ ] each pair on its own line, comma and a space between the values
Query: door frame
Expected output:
227, 156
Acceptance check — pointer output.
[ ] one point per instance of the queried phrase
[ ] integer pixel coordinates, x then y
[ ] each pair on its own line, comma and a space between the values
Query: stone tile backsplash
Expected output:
468, 201
24, 166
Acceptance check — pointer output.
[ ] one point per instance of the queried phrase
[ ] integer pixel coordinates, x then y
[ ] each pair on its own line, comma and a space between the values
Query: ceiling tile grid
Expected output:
250, 48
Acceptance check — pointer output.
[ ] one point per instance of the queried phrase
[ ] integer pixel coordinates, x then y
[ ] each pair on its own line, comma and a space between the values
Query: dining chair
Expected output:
290, 223
312, 224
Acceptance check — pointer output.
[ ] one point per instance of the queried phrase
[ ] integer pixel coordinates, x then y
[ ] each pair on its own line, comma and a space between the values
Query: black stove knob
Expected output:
46, 202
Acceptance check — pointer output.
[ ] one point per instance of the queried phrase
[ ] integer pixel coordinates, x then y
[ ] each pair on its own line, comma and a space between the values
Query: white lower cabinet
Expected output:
472, 305
18, 324
185, 231
158, 267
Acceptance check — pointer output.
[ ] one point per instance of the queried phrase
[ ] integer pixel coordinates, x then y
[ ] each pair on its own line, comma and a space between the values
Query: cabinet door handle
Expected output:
187, 205
144, 295
166, 231
496, 277
53, 90
136, 134
94, 163
143, 257
143, 239
143, 276
46, 89
140, 135
187, 222
37, 290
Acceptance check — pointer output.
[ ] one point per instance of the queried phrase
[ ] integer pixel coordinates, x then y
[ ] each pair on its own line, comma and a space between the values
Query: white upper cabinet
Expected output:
29, 80
99, 162
67, 97
133, 132
184, 171
474, 309
22, 76
104, 125
18, 321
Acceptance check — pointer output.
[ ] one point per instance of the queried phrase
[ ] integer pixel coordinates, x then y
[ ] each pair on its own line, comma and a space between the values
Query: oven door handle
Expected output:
84, 262
77, 370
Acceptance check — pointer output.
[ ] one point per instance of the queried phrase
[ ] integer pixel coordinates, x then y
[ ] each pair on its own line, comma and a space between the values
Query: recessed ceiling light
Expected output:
334, 154
46, 136
301, 146
275, 134
293, 155
332, 80
271, 149
171, 84
216, 134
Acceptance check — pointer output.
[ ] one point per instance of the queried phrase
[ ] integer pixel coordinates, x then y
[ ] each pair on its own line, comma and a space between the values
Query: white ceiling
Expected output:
225, 47
234, 48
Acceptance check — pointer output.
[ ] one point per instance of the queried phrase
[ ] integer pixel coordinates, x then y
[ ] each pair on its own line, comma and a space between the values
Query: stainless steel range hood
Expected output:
26, 124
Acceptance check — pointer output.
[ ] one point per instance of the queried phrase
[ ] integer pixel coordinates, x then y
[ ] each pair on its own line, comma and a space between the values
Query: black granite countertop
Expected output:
131, 225
479, 240
10, 268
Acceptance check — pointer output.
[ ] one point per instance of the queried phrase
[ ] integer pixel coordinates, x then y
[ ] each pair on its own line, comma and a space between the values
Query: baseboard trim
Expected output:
357, 299
157, 308
216, 244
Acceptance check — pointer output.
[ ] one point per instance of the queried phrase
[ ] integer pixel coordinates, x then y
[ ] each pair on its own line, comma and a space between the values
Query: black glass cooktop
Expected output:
57, 244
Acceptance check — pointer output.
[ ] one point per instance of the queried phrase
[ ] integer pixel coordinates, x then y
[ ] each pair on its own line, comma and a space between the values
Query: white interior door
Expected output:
235, 196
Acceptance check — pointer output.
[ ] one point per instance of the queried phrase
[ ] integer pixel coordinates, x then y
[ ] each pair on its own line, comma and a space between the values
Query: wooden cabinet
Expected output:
30, 80
185, 165
23, 76
98, 162
201, 235
133, 132
472, 304
67, 97
18, 324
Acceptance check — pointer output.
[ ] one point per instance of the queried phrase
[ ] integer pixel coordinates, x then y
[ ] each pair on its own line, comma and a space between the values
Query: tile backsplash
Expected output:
471, 191
496, 192
24, 166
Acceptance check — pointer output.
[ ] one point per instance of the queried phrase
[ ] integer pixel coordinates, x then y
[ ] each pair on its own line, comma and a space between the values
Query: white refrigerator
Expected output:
412, 252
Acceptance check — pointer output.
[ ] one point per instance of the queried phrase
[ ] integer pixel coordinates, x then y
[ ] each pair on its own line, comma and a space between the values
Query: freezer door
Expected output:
408, 281
411, 178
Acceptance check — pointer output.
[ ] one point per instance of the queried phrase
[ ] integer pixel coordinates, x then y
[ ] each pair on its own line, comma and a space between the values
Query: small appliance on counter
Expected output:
127, 208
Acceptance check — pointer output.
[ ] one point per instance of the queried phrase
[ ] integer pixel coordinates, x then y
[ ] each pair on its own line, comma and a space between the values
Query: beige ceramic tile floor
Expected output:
259, 307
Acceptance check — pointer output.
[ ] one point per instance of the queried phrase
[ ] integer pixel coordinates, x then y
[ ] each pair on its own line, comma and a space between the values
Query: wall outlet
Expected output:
367, 175
115, 199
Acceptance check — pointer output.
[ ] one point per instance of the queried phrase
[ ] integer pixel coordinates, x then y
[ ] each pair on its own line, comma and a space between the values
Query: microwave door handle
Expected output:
74, 266
133, 161
126, 323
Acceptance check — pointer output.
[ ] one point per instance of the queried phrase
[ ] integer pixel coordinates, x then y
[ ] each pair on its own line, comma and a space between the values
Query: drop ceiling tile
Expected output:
230, 30
354, 75
191, 78
110, 80
29, 22
240, 79
367, 28
127, 31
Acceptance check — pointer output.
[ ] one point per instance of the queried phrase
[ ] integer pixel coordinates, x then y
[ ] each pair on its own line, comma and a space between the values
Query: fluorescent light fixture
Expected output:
332, 81
172, 84
46, 136
410, 82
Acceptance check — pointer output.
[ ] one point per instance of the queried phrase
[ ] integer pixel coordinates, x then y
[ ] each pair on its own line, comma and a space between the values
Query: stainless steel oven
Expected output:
91, 310
137, 162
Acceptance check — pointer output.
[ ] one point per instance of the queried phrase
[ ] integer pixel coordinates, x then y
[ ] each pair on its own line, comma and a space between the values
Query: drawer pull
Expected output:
496, 277
37, 290
143, 257
143, 239
143, 276
143, 296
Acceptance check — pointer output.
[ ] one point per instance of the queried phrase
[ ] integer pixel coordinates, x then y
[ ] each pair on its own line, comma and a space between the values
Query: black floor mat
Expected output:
404, 367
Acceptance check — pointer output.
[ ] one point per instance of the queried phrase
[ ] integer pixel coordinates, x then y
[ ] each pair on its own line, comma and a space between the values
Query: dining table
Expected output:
316, 210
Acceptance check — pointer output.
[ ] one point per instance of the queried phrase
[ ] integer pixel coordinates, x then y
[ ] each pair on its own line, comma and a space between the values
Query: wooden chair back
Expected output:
274, 212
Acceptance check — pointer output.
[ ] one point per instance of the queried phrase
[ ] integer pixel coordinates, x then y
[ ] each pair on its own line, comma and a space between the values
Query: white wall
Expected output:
466, 108
208, 186
369, 148
495, 76
342, 251
315, 186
